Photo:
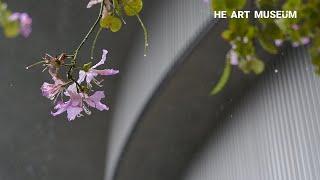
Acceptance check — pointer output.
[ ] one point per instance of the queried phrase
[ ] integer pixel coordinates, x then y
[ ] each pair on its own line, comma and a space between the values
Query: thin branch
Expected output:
94, 43
88, 34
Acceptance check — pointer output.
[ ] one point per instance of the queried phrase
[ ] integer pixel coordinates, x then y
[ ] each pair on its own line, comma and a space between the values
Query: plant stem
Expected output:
88, 34
94, 43
145, 33
74, 59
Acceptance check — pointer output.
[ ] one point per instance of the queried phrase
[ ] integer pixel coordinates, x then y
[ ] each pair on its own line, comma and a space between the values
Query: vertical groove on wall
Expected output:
273, 132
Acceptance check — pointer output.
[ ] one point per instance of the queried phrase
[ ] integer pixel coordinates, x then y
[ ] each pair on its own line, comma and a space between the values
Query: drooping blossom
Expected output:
92, 72
77, 103
52, 90
106, 7
25, 23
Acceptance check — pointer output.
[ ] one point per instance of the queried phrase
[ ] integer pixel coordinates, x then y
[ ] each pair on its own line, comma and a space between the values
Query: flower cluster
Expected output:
25, 23
76, 96
80, 96
243, 34
14, 24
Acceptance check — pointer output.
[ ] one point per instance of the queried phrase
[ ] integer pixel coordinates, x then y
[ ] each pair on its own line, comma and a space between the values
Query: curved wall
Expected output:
172, 26
272, 133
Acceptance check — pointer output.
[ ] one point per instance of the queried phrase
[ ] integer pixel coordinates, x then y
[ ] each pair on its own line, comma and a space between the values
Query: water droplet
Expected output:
147, 44
276, 70
27, 67
145, 55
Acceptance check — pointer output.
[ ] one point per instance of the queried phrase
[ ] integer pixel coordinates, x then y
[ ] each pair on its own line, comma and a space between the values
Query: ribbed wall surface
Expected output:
172, 26
272, 133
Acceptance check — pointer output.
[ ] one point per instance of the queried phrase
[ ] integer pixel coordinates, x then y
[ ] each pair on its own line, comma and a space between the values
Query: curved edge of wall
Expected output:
171, 34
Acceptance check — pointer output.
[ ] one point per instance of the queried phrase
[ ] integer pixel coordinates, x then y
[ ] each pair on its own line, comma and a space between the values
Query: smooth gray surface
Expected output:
272, 133
172, 25
34, 145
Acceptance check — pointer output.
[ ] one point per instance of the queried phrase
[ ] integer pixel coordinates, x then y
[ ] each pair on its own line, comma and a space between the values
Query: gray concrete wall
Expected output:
272, 133
172, 26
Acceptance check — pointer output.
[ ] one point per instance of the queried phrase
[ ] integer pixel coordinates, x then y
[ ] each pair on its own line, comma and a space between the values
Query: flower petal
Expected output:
61, 107
107, 72
93, 2
82, 76
103, 59
94, 101
90, 76
73, 112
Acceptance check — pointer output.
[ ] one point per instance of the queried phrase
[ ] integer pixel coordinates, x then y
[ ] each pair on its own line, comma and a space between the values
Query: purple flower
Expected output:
233, 58
278, 42
52, 90
92, 72
77, 103
73, 106
25, 23
295, 27
305, 40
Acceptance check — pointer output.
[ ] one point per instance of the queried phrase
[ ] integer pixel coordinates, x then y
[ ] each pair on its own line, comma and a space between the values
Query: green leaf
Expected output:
11, 29
116, 24
291, 5
132, 7
235, 4
266, 4
227, 35
111, 22
267, 43
223, 79
256, 66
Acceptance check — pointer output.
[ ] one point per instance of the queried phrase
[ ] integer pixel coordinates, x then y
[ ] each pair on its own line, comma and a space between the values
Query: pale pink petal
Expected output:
14, 16
73, 112
305, 40
90, 76
107, 72
295, 27
278, 42
60, 107
25, 19
71, 88
75, 98
234, 58
82, 76
103, 59
94, 101
93, 2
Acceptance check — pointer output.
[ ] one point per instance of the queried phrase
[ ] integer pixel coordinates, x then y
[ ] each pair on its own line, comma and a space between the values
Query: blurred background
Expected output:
163, 125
